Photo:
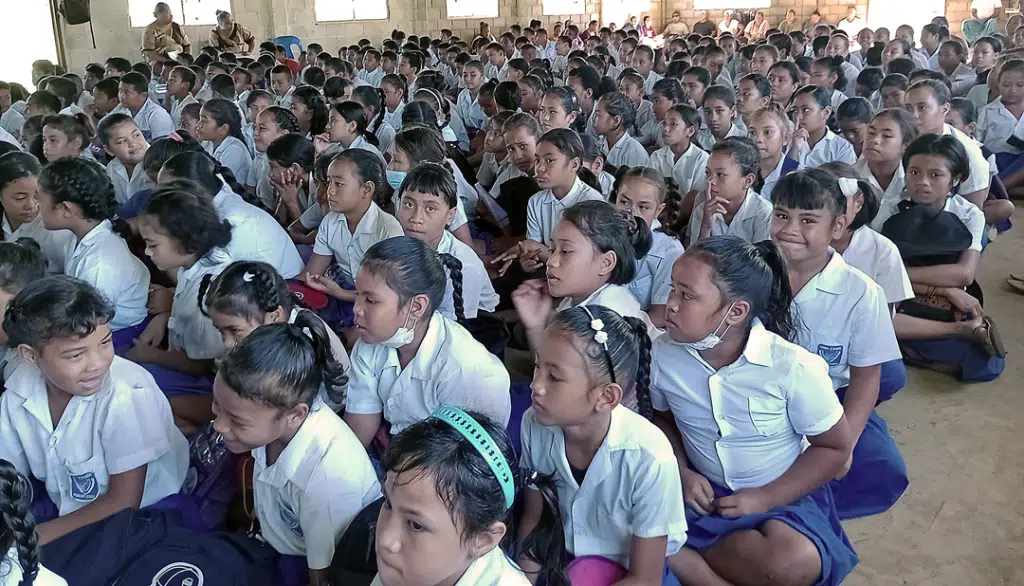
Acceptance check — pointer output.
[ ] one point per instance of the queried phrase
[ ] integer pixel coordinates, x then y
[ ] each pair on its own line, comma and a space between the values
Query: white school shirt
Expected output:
707, 140
153, 121
607, 183
349, 247
450, 368
14, 574
125, 187
644, 115
492, 569
385, 136
394, 118
103, 260
963, 79
57, 245
188, 328
843, 318
978, 95
12, 121
470, 110
71, 110
631, 488
651, 134
361, 143
752, 221
878, 257
689, 171
477, 291
890, 195
321, 480
831, 147
373, 77
996, 124
628, 151
971, 216
285, 101
651, 79
178, 105
124, 425
852, 72
653, 280
980, 177
773, 178
619, 299
544, 210
233, 154
744, 425
490, 167
259, 168
839, 97
256, 235
508, 171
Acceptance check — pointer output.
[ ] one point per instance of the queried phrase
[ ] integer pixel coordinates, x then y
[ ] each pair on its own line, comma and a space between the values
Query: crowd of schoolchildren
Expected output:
262, 306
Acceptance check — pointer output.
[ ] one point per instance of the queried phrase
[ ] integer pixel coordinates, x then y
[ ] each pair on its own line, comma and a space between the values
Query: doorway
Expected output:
27, 38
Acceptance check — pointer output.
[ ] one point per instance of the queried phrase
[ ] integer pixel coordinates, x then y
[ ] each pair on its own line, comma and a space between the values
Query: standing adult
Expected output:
704, 27
230, 36
163, 35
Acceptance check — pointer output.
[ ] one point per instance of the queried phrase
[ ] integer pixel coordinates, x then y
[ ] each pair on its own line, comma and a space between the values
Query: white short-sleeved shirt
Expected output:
124, 425
395, 118
259, 169
707, 140
980, 177
644, 115
57, 245
124, 186
361, 143
490, 167
470, 110
256, 235
626, 152
189, 329
153, 121
450, 367
830, 148
619, 299
631, 488
544, 210
347, 247
233, 154
285, 101
653, 280
651, 134
843, 317
385, 135
14, 574
774, 177
103, 260
178, 105
970, 215
12, 122
477, 291
744, 425
373, 77
963, 79
877, 257
839, 97
311, 218
689, 171
752, 221
491, 569
321, 480
996, 124
891, 195
607, 183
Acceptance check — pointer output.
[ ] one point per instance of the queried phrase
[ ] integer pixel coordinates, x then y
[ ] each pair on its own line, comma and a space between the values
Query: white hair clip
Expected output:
601, 337
248, 277
848, 186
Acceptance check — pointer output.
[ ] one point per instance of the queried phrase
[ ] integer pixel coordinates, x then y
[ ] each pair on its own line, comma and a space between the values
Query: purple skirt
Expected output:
173, 382
124, 339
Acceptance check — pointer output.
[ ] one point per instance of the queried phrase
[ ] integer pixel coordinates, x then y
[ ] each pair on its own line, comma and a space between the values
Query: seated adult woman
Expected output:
230, 36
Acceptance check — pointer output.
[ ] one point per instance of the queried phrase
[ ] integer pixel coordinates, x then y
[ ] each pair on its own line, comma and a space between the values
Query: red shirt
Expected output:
293, 65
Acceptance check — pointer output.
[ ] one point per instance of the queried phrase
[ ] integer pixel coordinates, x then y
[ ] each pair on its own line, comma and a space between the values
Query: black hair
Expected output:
761, 83
871, 195
19, 527
810, 189
616, 104
721, 92
188, 217
21, 262
246, 289
589, 78
311, 98
703, 75
137, 81
63, 88
368, 167
284, 118
46, 100
290, 149
753, 272
335, 87
856, 109
919, 74
223, 85
804, 64
164, 148
818, 93
791, 69
72, 126
119, 64
415, 59
55, 307
314, 76
744, 152
421, 144
432, 179
82, 182
410, 268
507, 96
897, 80
671, 89
570, 103
939, 90
611, 231
871, 78
205, 171
904, 65
353, 112
225, 112
966, 108
257, 94
107, 124
991, 41
17, 165
946, 146
690, 116
835, 67
905, 120
782, 42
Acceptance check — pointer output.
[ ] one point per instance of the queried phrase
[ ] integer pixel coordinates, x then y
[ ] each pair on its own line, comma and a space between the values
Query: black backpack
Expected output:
78, 12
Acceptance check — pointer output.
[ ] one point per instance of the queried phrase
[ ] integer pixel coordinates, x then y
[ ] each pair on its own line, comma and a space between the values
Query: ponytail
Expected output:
454, 267
333, 376
777, 314
17, 519
643, 371
545, 545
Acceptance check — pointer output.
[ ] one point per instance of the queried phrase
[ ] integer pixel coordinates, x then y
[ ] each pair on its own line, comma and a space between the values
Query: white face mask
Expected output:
713, 339
402, 336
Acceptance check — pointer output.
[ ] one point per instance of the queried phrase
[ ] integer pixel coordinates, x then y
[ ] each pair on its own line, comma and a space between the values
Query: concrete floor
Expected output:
961, 522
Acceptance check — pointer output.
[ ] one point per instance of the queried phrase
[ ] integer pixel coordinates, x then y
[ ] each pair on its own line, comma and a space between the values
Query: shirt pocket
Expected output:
87, 480
768, 415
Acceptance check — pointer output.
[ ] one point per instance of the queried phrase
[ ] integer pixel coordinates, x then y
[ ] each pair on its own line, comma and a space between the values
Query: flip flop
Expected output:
1016, 284
1014, 277
992, 342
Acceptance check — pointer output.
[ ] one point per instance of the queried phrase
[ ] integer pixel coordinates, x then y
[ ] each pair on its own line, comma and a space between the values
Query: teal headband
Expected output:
484, 443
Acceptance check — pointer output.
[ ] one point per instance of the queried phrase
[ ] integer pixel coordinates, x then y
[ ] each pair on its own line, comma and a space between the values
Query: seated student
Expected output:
409, 359
395, 91
42, 103
560, 108
952, 57
813, 143
521, 133
680, 159
256, 102
311, 111
280, 171
632, 86
281, 85
495, 154
845, 320
152, 120
190, 119
247, 295
20, 541
19, 174
762, 58
890, 132
182, 232
749, 483
645, 194
998, 120
427, 200
729, 205
784, 78
124, 142
117, 446
828, 73
67, 136
753, 93
220, 127
893, 91
944, 328
667, 94
719, 112
373, 105
347, 128
998, 208
311, 477
862, 247
532, 89
159, 153
593, 159
614, 114
75, 195
853, 116
869, 82
620, 496
21, 263
771, 131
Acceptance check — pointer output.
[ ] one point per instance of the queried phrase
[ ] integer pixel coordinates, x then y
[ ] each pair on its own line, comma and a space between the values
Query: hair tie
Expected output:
175, 137
470, 429
848, 186
248, 277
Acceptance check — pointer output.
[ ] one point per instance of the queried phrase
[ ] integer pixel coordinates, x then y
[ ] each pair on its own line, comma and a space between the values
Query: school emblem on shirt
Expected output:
291, 520
84, 487
832, 354
178, 574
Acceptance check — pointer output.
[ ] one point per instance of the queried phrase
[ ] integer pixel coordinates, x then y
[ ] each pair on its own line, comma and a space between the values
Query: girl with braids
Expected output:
18, 540
75, 194
395, 90
348, 130
220, 124
560, 108
290, 161
251, 294
619, 497
311, 476
409, 359
453, 129
19, 198
613, 117
310, 109
764, 432
67, 136
256, 235
372, 101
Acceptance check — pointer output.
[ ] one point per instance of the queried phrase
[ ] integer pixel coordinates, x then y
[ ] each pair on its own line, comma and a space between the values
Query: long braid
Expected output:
454, 267
265, 287
17, 520
643, 371
204, 287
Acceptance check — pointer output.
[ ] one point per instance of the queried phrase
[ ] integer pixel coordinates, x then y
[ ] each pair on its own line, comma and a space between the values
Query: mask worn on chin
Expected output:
396, 178
713, 339
402, 336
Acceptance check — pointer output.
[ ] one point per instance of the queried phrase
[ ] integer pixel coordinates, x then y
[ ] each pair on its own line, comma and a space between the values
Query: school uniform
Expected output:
259, 168
469, 108
71, 110
891, 195
373, 77
631, 488
996, 125
124, 186
256, 235
879, 258
707, 140
559, 66
492, 569
361, 143
178, 105
14, 574
458, 127
450, 368
490, 167
979, 95
544, 210
745, 426
394, 118
189, 329
607, 183
831, 147
321, 480
626, 152
724, 79
649, 81
125, 425
980, 177
963, 79
851, 72
348, 248
508, 171
644, 115
57, 245
619, 299
839, 97
12, 121
653, 280
752, 221
10, 139
385, 134
689, 171
233, 154
651, 134
785, 167
285, 100
477, 292
153, 121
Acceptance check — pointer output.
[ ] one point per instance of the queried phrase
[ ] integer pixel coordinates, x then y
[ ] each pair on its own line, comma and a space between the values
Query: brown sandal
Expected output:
991, 340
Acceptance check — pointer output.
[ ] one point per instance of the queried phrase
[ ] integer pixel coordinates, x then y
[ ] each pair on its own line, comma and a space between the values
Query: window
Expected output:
186, 12
331, 10
472, 8
563, 7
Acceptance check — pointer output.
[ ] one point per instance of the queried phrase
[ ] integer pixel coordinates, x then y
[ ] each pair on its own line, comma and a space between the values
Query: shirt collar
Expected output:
368, 221
421, 366
446, 245
759, 345
832, 279
294, 454
97, 233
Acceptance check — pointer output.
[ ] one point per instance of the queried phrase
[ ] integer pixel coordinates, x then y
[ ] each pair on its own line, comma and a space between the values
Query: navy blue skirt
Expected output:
877, 476
972, 363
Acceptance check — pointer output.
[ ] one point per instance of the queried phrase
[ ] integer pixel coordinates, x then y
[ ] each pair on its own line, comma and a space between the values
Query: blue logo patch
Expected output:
84, 487
291, 520
832, 354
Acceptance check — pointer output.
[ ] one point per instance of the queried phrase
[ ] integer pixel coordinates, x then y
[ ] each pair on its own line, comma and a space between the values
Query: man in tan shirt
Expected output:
230, 36
163, 35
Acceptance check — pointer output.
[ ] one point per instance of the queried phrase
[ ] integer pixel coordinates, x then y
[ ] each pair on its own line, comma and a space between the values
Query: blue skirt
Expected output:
877, 476
814, 516
124, 339
894, 378
972, 362
522, 398
173, 382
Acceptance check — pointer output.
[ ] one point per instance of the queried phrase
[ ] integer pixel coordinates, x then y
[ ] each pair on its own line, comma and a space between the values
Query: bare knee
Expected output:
791, 562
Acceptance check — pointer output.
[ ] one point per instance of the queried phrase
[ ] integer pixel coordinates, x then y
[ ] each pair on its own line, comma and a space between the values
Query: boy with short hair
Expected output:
468, 103
105, 97
179, 92
497, 62
152, 120
372, 72
281, 85
643, 62
42, 103
123, 141
389, 62
10, 119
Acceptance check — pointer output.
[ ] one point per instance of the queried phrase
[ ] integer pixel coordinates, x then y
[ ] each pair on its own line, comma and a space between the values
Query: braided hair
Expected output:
410, 268
82, 182
17, 527
246, 289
